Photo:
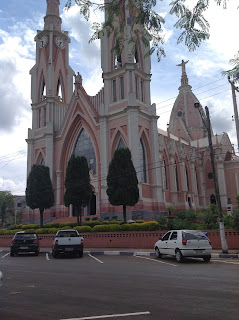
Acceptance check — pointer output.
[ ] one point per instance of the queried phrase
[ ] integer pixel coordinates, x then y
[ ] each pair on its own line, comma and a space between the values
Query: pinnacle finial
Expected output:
52, 18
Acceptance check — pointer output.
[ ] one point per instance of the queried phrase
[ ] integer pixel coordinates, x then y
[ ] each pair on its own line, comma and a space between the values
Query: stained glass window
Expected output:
84, 147
142, 155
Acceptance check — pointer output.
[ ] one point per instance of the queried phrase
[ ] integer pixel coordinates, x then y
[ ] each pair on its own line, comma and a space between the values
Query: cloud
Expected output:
80, 30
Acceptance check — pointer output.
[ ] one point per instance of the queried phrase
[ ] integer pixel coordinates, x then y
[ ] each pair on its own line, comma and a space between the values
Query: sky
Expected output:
19, 22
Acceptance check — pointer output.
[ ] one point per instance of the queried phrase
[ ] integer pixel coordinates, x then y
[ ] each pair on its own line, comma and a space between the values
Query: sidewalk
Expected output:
143, 252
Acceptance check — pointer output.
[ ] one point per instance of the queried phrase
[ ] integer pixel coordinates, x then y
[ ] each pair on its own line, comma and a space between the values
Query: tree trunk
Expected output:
124, 212
223, 237
80, 216
41, 218
77, 215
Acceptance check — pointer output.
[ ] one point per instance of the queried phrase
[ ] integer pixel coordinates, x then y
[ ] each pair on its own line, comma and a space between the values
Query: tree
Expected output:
77, 182
39, 191
122, 180
195, 28
6, 205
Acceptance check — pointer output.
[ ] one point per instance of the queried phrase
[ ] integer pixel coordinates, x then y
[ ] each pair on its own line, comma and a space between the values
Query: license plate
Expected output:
23, 248
68, 249
198, 251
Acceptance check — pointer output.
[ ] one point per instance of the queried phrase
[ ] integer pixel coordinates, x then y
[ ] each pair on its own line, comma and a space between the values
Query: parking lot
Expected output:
117, 287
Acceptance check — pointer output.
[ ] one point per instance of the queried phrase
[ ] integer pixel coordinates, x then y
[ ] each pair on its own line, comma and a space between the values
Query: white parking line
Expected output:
5, 255
112, 316
98, 261
174, 265
225, 261
47, 257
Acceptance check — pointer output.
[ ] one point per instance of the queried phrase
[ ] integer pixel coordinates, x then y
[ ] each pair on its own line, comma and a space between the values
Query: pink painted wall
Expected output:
137, 239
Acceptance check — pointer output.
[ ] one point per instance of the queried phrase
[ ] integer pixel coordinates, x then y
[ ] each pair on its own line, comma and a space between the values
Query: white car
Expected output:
184, 243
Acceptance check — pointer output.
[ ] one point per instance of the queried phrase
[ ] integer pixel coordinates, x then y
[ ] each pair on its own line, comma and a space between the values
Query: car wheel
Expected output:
54, 254
11, 253
207, 258
36, 253
157, 253
178, 255
80, 254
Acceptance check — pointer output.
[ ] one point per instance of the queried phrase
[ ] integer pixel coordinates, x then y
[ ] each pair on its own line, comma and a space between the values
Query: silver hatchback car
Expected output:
184, 243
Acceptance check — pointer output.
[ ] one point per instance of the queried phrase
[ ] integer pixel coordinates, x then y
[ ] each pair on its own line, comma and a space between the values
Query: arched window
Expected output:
42, 162
142, 156
59, 91
43, 89
212, 199
165, 182
136, 55
196, 178
186, 176
176, 175
84, 147
121, 144
117, 56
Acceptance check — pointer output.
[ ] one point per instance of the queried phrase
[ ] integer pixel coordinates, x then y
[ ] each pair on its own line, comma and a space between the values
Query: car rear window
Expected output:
194, 235
67, 234
25, 236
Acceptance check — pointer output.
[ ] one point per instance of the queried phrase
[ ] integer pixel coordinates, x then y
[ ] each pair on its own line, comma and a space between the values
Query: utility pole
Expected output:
207, 125
234, 89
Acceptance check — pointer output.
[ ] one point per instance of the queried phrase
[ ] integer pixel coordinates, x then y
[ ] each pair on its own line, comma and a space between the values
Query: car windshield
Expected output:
194, 235
25, 236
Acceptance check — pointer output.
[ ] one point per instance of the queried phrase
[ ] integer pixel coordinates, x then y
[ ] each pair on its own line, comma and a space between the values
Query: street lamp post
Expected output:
207, 125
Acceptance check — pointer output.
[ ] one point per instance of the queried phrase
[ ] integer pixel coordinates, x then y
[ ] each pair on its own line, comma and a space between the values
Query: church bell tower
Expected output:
51, 86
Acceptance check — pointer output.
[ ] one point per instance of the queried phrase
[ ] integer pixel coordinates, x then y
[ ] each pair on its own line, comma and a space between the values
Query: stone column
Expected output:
222, 183
58, 187
172, 175
103, 154
202, 184
194, 183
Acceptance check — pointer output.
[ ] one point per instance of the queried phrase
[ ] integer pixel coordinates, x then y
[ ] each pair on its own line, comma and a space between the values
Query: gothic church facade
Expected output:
173, 167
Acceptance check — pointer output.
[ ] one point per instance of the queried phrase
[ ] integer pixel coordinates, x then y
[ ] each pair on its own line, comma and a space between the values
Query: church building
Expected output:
173, 167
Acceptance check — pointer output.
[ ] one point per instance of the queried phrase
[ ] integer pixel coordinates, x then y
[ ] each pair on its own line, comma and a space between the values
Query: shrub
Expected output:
115, 217
209, 219
29, 226
53, 230
150, 226
53, 225
228, 221
41, 230
182, 224
162, 221
91, 223
139, 221
87, 219
2, 231
82, 229
189, 215
94, 219
107, 228
106, 218
235, 217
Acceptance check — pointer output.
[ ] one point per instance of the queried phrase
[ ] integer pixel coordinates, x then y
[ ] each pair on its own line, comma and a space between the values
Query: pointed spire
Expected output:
52, 19
184, 77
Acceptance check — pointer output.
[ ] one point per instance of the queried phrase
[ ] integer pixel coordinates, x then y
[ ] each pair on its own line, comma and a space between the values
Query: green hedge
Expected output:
106, 228
82, 229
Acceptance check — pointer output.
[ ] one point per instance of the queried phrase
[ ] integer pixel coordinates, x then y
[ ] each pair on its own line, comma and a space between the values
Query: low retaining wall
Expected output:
129, 239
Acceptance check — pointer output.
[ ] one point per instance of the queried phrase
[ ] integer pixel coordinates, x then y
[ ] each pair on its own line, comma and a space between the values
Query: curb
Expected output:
140, 253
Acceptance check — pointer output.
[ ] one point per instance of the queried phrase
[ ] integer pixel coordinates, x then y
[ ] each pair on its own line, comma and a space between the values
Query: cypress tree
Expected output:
39, 191
122, 180
77, 183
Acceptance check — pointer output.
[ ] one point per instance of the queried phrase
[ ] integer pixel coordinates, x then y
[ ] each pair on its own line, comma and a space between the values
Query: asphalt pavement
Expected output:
234, 254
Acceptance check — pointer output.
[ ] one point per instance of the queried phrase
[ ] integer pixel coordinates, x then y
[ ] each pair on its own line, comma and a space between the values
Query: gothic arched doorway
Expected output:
212, 199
